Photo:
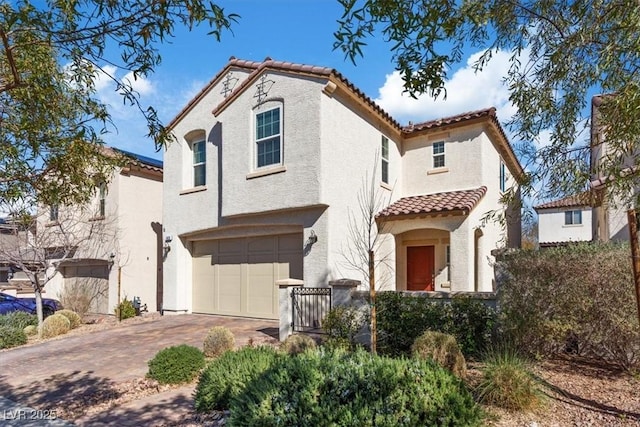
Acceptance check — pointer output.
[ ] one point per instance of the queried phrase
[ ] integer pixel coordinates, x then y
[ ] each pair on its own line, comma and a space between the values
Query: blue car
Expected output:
10, 303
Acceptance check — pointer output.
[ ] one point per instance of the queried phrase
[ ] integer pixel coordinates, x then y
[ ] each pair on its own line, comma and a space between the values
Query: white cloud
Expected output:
467, 90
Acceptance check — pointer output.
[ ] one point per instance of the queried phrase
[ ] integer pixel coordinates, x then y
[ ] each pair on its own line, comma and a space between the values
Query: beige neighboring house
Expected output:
126, 249
609, 213
565, 220
264, 177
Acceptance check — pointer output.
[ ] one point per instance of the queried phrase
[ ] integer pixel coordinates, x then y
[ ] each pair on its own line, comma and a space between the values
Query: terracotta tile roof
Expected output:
291, 67
451, 201
458, 118
584, 199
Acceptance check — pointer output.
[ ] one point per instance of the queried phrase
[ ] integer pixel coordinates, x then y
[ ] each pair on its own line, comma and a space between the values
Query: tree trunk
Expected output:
372, 297
635, 253
37, 291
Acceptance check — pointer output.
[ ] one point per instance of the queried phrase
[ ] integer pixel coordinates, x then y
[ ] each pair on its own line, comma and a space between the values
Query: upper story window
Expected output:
102, 195
503, 177
199, 163
438, 154
573, 217
53, 213
269, 137
385, 159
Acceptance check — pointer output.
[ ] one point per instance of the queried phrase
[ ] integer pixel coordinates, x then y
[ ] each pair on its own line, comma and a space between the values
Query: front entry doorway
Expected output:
420, 268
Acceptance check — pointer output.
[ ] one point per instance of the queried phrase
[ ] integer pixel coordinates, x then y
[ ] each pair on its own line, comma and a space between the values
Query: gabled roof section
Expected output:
450, 202
487, 115
300, 70
584, 199
234, 63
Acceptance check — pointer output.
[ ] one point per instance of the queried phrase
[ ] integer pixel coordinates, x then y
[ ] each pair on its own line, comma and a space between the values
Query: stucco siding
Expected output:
552, 227
351, 161
244, 188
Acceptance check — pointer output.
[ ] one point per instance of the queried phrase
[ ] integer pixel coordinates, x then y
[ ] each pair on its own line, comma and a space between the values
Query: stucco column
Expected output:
285, 287
341, 291
461, 251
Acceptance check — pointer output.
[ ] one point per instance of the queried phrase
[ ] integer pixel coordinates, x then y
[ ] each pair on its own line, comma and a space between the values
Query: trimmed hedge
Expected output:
18, 319
218, 341
225, 377
576, 299
74, 318
55, 325
11, 337
336, 388
176, 365
402, 318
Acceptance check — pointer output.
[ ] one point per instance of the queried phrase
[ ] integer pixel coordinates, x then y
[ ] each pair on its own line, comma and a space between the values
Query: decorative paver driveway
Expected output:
43, 375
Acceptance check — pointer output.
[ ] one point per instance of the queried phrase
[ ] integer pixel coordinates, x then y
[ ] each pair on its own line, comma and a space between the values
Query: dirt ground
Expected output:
579, 393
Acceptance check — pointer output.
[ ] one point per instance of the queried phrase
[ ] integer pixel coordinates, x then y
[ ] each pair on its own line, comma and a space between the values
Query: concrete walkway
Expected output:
60, 371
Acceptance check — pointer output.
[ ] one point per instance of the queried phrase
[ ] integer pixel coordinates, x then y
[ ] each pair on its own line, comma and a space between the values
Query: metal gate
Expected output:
310, 306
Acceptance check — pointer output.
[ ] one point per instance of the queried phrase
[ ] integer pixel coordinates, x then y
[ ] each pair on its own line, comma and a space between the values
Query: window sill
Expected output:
194, 190
52, 223
265, 172
572, 225
437, 171
386, 186
97, 218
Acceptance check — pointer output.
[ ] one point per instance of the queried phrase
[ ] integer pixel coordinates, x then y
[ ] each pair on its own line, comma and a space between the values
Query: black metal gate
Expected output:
310, 306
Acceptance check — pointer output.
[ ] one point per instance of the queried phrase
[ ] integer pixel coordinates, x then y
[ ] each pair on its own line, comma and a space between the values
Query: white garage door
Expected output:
237, 276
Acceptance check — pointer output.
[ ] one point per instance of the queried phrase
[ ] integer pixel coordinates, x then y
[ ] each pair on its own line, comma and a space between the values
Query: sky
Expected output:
299, 31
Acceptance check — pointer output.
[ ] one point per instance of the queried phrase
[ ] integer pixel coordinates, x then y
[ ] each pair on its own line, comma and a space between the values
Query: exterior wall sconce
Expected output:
312, 238
166, 247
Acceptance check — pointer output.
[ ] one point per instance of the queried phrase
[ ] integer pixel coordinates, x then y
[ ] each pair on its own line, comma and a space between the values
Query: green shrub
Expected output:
125, 310
297, 343
55, 325
342, 324
442, 349
11, 337
30, 330
225, 377
337, 388
176, 365
402, 318
74, 318
18, 319
507, 382
573, 298
218, 341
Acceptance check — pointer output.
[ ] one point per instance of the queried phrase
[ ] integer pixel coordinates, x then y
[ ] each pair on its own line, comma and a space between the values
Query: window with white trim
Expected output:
385, 159
268, 138
503, 177
199, 163
53, 213
438, 154
102, 195
573, 217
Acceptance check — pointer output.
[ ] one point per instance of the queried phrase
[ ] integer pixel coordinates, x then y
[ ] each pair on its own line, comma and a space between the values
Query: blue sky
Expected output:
299, 31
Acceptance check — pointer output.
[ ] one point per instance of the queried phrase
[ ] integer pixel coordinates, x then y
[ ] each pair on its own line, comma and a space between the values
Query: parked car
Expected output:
10, 303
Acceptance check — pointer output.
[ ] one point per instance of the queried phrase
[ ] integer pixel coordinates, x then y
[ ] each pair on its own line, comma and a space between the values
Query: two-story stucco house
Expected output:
125, 251
565, 220
263, 181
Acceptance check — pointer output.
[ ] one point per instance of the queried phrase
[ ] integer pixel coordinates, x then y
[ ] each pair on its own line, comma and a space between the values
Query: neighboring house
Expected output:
610, 212
263, 180
125, 253
565, 220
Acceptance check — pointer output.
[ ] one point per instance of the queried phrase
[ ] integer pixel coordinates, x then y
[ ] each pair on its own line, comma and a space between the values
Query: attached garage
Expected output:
89, 282
237, 276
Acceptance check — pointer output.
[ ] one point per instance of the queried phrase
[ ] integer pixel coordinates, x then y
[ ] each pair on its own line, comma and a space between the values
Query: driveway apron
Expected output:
45, 374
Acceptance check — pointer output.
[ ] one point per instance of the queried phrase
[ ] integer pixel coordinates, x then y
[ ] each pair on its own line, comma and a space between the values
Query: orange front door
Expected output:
420, 264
